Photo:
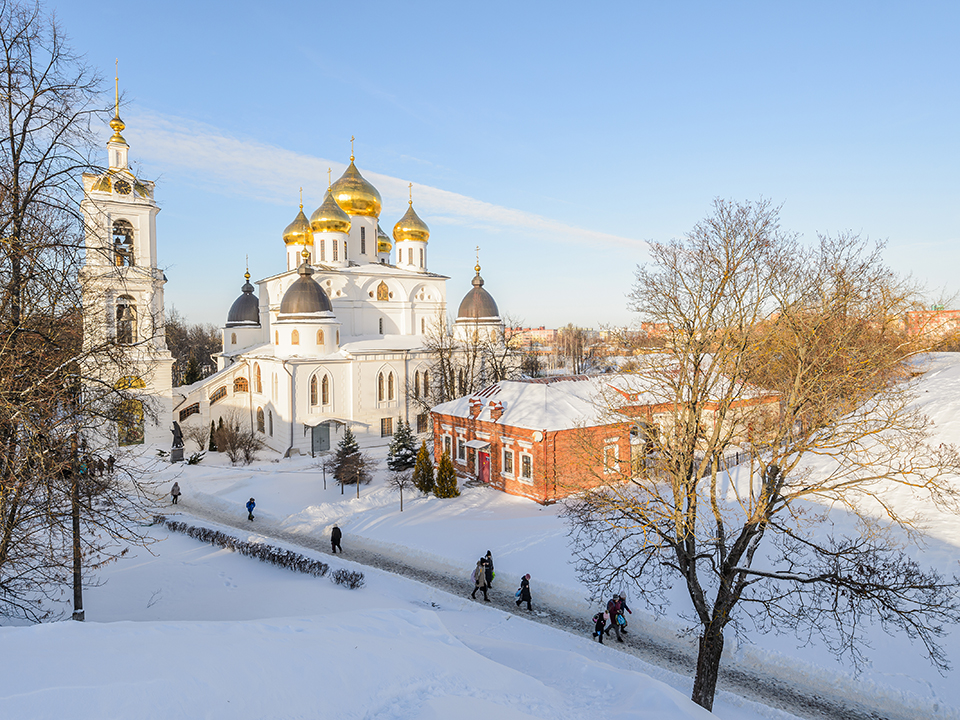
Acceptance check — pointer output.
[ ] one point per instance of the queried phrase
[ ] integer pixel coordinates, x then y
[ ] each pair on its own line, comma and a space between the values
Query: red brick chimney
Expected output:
475, 407
496, 410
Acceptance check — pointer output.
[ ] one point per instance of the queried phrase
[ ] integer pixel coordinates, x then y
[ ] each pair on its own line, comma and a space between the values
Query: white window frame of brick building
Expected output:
506, 462
611, 458
526, 469
448, 445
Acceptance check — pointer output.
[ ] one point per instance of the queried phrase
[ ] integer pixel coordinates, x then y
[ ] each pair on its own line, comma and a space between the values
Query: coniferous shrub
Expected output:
212, 443
446, 484
423, 470
349, 464
403, 452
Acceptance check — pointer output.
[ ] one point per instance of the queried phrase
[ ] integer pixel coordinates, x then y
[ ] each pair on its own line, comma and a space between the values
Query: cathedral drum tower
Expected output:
123, 298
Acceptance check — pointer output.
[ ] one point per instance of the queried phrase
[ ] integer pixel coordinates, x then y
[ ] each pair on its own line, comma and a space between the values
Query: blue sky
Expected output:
559, 137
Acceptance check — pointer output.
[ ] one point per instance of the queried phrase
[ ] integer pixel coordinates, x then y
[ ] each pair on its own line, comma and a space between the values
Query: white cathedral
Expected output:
335, 340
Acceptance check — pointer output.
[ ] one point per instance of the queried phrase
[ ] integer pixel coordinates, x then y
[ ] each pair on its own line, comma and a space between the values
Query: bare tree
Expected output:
784, 352
237, 439
401, 480
59, 515
199, 434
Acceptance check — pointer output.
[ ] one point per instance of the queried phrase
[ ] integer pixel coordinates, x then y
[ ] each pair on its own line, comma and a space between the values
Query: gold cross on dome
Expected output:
301, 198
329, 178
410, 188
351, 148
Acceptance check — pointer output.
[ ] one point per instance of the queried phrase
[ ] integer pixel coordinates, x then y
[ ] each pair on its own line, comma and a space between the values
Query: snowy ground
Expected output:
193, 631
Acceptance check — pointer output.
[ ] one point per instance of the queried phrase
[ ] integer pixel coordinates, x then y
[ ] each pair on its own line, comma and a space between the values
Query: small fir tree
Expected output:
349, 464
212, 443
446, 486
423, 470
403, 452
192, 373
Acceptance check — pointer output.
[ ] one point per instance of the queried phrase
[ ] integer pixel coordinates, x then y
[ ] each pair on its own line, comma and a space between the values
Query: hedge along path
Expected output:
678, 658
263, 552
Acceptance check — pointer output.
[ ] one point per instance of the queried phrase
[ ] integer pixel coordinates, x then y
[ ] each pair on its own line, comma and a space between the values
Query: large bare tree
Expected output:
57, 509
777, 353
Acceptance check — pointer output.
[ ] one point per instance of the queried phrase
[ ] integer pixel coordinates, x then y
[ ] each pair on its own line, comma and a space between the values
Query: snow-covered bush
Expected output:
353, 579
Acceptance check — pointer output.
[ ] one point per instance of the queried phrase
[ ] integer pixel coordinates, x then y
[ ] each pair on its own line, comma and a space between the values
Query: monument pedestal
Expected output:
176, 455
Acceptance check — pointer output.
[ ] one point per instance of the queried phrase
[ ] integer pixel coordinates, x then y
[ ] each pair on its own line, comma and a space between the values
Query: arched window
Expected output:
338, 338
410, 256
257, 384
130, 422
383, 292
323, 251
423, 326
416, 384
344, 250
380, 387
381, 326
126, 320
390, 386
219, 394
314, 396
260, 423
240, 384
335, 245
270, 420
233, 338
421, 257
325, 390
295, 338
426, 384
276, 337
320, 338
123, 243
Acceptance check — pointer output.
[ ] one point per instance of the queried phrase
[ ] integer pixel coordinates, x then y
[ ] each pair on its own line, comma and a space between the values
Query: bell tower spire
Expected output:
117, 147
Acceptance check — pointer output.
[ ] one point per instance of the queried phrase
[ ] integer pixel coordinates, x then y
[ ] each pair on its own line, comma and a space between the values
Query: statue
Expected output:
176, 454
177, 435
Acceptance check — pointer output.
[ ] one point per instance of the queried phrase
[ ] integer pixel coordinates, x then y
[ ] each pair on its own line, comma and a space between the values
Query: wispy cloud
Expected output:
271, 174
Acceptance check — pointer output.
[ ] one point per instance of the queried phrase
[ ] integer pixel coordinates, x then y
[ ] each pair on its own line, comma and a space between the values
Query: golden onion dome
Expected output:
411, 227
383, 242
329, 217
355, 195
298, 232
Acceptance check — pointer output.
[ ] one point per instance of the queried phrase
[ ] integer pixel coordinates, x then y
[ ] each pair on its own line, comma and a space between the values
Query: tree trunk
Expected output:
708, 667
77, 556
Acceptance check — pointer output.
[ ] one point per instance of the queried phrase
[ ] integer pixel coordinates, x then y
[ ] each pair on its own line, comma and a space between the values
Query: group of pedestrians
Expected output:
483, 575
616, 606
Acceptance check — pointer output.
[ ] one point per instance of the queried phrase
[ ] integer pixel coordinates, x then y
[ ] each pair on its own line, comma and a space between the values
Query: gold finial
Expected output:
301, 198
329, 178
117, 124
247, 262
410, 188
351, 148
477, 268
305, 254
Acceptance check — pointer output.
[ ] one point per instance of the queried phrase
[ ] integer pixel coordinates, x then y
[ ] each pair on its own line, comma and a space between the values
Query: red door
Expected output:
484, 470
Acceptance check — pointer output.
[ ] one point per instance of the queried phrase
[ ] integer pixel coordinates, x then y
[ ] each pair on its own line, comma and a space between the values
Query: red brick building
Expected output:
540, 438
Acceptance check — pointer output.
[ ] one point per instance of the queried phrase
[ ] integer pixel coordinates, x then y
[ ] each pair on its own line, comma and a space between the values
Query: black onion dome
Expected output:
305, 297
478, 304
245, 310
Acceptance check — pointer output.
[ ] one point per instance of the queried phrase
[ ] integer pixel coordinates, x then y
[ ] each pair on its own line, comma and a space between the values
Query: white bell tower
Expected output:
123, 292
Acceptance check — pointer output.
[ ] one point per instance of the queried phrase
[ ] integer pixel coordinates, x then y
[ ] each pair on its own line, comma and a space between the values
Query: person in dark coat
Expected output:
599, 625
335, 536
480, 579
489, 568
251, 504
175, 492
110, 462
525, 591
615, 609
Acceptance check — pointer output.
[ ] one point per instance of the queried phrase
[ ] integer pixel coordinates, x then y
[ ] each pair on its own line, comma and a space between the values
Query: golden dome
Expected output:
411, 227
329, 217
116, 124
383, 242
355, 195
298, 232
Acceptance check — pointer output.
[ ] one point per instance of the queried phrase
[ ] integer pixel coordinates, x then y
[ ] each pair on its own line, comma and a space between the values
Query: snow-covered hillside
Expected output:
209, 633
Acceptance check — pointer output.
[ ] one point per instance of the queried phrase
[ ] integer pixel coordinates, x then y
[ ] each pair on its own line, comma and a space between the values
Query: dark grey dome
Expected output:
305, 297
478, 303
245, 310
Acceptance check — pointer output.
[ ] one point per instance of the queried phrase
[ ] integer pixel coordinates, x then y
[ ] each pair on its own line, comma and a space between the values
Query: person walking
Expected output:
480, 579
335, 536
524, 591
599, 625
251, 504
110, 462
489, 568
614, 610
175, 492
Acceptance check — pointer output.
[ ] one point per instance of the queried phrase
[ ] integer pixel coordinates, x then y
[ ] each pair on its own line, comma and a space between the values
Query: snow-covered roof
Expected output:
545, 403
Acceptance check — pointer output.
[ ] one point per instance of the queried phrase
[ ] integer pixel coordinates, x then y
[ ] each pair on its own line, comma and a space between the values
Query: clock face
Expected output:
122, 187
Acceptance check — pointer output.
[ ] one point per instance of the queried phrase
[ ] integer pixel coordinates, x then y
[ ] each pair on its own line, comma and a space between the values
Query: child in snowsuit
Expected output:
175, 492
480, 579
335, 536
250, 506
599, 623
524, 591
